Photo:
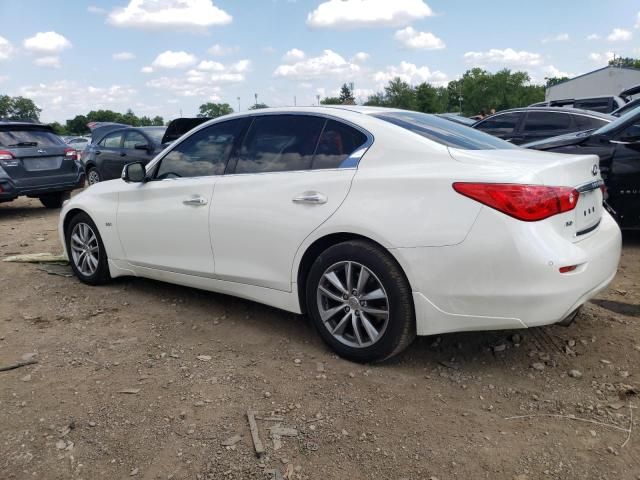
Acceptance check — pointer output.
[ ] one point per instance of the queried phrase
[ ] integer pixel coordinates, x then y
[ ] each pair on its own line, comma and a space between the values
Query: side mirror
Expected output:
142, 146
134, 172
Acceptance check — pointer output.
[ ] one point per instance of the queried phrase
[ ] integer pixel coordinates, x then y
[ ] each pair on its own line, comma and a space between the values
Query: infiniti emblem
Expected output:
594, 170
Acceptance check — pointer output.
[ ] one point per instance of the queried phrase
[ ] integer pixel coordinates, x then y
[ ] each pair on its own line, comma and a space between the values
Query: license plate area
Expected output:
36, 164
588, 211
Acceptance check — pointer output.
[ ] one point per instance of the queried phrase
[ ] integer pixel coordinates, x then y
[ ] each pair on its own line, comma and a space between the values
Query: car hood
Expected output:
180, 126
560, 141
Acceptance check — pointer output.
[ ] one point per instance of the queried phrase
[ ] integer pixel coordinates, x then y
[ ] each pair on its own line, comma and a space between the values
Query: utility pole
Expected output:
318, 99
256, 95
238, 103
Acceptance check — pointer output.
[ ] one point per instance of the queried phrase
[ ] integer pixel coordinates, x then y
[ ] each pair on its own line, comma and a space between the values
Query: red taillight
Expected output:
4, 155
70, 153
529, 203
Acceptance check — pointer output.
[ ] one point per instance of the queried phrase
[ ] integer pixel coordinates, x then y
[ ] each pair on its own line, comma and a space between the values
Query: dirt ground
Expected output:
140, 379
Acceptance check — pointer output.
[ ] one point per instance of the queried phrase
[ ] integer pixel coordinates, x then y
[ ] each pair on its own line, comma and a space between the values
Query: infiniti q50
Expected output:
379, 224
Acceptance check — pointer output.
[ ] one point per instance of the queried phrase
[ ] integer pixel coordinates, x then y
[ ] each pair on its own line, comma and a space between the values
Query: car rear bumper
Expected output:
505, 274
9, 190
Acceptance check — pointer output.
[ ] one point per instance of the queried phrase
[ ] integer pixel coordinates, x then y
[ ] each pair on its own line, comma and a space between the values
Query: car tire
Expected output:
54, 200
87, 255
360, 330
93, 176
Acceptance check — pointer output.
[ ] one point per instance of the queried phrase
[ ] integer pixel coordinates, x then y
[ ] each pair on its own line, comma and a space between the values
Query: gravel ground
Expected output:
140, 379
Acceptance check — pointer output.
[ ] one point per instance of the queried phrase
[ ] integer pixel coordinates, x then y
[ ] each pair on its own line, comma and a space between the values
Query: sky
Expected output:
166, 57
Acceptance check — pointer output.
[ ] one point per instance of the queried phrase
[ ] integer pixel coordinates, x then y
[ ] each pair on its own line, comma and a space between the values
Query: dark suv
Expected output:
35, 162
530, 124
113, 145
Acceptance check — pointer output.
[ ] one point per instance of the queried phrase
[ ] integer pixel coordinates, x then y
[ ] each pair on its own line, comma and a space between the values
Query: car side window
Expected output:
203, 153
547, 121
503, 123
588, 123
631, 133
134, 138
279, 143
112, 140
337, 142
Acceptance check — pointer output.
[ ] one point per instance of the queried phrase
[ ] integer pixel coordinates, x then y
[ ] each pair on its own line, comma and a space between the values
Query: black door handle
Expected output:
123, 154
97, 152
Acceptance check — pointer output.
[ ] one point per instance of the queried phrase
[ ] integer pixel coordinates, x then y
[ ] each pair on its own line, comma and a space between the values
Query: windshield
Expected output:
631, 115
444, 132
28, 137
156, 133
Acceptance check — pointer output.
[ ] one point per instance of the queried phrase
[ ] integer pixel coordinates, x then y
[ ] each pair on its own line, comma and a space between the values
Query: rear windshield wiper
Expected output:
24, 144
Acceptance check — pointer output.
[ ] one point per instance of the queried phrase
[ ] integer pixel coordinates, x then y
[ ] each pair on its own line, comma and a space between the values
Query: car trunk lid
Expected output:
551, 169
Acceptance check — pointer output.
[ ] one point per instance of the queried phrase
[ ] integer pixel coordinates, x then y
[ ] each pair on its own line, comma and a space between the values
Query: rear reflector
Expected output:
528, 203
568, 269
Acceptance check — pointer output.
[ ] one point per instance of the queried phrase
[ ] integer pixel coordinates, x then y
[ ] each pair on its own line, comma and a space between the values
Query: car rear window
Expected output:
445, 132
156, 133
28, 137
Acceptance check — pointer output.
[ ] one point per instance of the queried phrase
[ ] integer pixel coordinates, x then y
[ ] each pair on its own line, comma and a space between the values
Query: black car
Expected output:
618, 146
528, 124
113, 145
35, 162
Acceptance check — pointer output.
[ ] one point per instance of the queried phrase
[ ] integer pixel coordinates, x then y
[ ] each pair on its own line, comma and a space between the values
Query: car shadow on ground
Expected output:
621, 308
9, 211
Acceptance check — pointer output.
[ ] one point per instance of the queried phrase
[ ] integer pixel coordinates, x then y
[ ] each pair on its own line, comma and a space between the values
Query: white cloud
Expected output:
560, 37
367, 13
3, 78
508, 56
218, 50
52, 61
123, 56
620, 35
411, 38
97, 10
360, 57
210, 66
327, 64
6, 49
171, 59
181, 87
293, 55
637, 25
46, 42
552, 72
411, 74
601, 57
593, 36
269, 50
162, 14
146, 69
65, 98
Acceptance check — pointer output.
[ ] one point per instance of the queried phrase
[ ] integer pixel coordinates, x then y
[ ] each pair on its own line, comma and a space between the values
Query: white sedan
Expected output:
380, 224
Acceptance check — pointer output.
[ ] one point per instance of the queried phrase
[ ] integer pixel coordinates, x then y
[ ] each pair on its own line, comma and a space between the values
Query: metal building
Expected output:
602, 82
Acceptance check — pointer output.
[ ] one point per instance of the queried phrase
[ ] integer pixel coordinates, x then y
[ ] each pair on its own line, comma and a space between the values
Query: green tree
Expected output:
625, 62
258, 106
77, 125
18, 108
157, 121
376, 100
214, 110
399, 94
555, 80
58, 128
331, 101
346, 95
430, 99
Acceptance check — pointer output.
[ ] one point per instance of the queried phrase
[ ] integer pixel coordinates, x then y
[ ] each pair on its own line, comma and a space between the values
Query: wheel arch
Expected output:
322, 243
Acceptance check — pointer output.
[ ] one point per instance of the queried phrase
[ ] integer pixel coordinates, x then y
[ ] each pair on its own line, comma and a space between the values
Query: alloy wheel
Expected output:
353, 304
93, 177
85, 249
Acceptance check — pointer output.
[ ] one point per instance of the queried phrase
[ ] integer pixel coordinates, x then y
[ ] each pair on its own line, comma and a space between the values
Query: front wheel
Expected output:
54, 200
86, 251
93, 176
360, 302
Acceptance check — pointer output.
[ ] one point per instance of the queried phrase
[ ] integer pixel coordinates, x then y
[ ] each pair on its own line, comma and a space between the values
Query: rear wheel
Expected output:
54, 200
86, 251
360, 302
93, 176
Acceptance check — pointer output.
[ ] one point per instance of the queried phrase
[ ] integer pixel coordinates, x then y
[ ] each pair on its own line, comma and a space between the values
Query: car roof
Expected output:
23, 123
576, 111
